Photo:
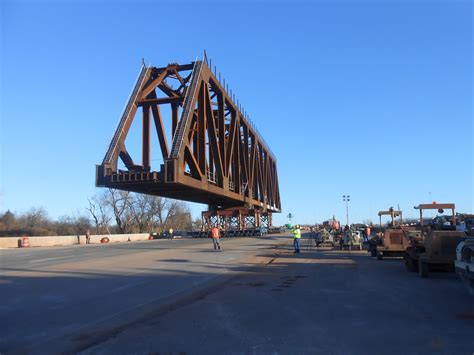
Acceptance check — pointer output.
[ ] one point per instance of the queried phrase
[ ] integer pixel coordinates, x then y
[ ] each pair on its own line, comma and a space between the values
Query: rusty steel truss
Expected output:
214, 155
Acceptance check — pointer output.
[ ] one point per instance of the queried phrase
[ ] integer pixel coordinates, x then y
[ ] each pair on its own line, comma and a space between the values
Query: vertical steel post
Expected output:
146, 138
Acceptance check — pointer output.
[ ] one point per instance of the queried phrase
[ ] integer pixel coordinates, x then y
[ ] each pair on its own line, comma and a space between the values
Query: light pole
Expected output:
346, 199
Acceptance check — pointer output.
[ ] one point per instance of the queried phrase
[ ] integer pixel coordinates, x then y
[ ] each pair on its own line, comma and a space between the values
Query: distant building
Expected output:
332, 223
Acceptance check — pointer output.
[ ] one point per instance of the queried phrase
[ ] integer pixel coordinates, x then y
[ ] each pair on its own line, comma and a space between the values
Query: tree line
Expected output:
108, 212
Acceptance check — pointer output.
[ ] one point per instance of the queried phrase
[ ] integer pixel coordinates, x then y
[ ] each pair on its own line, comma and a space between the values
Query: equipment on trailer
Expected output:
352, 239
464, 263
328, 239
436, 249
465, 222
394, 241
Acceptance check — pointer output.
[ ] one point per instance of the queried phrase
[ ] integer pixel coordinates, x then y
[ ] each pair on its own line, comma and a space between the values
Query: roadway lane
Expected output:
51, 297
316, 302
17, 258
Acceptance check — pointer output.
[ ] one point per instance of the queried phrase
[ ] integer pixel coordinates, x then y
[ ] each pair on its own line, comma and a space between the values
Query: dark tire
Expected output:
423, 269
410, 263
379, 255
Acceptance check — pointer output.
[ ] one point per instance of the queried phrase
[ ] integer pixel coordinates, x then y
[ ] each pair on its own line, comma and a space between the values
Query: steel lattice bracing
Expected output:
214, 155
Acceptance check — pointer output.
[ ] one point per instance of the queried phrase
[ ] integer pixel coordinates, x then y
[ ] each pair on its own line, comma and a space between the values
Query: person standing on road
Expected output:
170, 233
215, 235
345, 237
367, 232
296, 238
88, 237
321, 237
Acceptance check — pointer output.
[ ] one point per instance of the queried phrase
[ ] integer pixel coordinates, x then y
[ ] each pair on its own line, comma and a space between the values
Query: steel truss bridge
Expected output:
215, 155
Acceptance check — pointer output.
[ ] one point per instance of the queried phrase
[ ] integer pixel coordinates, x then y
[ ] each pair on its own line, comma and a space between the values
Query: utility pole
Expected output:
346, 199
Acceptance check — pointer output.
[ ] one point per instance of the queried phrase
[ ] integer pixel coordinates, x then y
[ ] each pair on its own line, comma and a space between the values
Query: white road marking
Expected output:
59, 257
124, 287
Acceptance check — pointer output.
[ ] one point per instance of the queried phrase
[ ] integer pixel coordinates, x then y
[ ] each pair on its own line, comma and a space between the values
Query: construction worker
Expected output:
345, 237
296, 238
88, 237
215, 235
170, 233
367, 232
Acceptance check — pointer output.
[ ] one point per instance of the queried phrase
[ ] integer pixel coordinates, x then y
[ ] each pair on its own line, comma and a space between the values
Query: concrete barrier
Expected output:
13, 242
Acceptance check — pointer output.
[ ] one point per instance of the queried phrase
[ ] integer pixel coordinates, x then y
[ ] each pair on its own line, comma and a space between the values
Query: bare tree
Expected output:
180, 218
36, 217
99, 213
162, 210
137, 212
34, 222
71, 225
8, 220
141, 208
81, 224
119, 202
197, 224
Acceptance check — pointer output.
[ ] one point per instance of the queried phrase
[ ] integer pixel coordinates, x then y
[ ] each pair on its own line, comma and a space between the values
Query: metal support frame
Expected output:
393, 214
211, 155
237, 219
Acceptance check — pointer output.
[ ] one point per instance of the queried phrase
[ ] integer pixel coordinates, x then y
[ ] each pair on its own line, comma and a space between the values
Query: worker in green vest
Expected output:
296, 238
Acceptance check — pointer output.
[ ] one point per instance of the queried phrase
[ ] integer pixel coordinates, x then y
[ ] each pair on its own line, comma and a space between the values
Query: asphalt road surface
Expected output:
255, 296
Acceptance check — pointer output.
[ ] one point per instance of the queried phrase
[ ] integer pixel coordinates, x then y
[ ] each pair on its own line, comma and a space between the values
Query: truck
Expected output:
435, 250
394, 240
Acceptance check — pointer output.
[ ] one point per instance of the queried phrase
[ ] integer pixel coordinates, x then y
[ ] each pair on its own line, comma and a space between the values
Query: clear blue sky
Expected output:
372, 99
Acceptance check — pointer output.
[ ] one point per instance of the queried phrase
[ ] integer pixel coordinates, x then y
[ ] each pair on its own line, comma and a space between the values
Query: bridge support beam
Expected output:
237, 219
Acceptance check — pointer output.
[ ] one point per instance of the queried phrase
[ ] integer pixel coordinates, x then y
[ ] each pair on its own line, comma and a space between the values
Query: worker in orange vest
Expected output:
215, 235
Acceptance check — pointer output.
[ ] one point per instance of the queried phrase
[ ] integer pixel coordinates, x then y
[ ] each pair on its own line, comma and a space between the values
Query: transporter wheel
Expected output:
423, 269
379, 255
410, 263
